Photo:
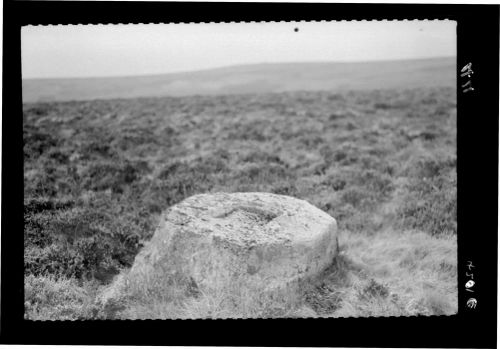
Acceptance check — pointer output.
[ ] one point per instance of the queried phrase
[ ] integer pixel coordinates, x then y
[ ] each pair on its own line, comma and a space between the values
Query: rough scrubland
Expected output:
97, 175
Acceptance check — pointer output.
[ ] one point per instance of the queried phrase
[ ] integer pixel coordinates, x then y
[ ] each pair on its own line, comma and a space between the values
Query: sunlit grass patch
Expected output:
418, 272
52, 298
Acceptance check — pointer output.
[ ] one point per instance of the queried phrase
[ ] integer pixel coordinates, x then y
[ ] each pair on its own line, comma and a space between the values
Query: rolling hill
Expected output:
256, 78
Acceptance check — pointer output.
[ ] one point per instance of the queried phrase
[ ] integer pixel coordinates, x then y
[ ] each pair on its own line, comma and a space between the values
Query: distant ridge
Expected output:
255, 78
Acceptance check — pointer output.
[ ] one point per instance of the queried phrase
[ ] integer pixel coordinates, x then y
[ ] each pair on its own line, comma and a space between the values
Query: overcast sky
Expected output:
123, 50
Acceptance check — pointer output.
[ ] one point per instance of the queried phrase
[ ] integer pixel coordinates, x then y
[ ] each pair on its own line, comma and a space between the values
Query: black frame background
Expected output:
477, 165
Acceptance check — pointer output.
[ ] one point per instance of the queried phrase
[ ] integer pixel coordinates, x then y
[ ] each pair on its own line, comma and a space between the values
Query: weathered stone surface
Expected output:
259, 241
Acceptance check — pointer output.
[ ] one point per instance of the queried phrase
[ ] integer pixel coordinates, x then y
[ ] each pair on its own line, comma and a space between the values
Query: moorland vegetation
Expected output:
98, 174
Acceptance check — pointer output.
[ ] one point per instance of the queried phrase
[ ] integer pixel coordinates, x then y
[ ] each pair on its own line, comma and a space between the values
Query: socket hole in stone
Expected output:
249, 214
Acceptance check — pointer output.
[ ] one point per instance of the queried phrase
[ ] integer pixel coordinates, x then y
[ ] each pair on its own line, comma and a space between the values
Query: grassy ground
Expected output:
383, 163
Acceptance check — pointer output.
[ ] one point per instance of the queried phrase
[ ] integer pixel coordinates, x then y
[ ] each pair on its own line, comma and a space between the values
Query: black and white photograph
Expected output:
240, 170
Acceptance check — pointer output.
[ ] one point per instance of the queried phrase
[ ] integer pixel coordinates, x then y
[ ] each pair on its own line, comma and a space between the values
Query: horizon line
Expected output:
235, 66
